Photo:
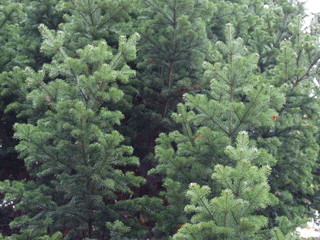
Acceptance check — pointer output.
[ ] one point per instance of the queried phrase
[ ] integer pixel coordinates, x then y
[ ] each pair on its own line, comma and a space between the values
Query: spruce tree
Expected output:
171, 51
232, 214
32, 235
288, 57
296, 126
79, 105
13, 53
89, 21
11, 39
110, 19
19, 44
239, 99
73, 151
287, 66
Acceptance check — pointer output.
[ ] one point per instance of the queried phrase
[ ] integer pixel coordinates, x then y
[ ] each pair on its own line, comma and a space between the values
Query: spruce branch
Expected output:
8, 16
210, 117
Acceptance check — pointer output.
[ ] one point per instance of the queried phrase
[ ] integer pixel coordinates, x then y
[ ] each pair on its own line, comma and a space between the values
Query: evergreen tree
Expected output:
33, 235
289, 59
286, 66
239, 99
73, 152
109, 20
79, 105
11, 39
232, 215
90, 21
11, 42
172, 48
19, 44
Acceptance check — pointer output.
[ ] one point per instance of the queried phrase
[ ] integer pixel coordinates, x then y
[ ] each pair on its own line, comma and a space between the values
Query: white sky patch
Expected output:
311, 231
312, 7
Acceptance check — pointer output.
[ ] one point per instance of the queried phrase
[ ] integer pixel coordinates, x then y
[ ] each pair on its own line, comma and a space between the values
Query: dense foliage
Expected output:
178, 119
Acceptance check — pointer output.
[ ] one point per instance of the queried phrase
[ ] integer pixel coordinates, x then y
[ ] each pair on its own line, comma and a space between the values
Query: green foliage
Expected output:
294, 71
118, 230
89, 21
20, 38
271, 95
30, 197
11, 40
218, 68
19, 44
33, 235
72, 151
238, 99
232, 214
241, 96
288, 59
171, 51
